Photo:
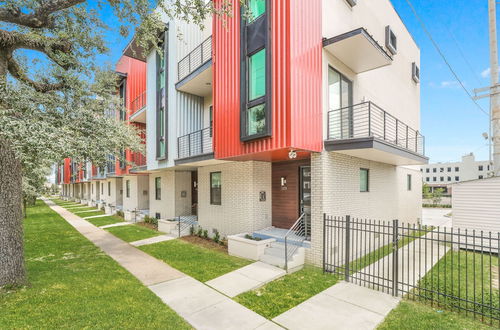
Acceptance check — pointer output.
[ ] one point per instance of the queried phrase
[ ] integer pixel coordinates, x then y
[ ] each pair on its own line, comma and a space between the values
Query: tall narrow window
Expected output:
340, 103
161, 99
123, 100
257, 8
215, 188
127, 188
364, 180
158, 188
408, 182
255, 68
109, 188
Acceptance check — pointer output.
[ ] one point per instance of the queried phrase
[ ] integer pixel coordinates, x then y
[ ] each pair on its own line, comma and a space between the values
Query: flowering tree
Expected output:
54, 94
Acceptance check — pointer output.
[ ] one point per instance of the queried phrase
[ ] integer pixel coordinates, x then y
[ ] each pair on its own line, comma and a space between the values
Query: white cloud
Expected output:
449, 84
486, 72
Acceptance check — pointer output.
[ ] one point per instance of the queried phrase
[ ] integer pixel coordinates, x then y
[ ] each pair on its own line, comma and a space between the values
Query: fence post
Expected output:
324, 242
347, 246
395, 259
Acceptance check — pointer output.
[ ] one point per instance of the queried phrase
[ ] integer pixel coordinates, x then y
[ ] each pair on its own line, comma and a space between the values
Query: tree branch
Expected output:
40, 17
13, 40
17, 72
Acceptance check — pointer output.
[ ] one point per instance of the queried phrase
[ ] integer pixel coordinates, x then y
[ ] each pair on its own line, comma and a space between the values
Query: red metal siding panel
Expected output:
67, 173
296, 100
305, 51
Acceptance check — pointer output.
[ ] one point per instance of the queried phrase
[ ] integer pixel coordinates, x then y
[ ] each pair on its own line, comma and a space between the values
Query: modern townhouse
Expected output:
269, 119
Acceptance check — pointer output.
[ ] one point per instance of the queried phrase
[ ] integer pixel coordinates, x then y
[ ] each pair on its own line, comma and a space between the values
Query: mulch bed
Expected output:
148, 225
206, 243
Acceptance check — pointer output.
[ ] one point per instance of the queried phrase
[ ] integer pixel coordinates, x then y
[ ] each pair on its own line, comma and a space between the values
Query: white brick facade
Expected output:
175, 194
336, 192
113, 193
138, 194
240, 210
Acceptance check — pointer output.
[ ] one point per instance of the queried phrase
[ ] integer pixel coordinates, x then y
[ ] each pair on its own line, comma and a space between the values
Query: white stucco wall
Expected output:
139, 192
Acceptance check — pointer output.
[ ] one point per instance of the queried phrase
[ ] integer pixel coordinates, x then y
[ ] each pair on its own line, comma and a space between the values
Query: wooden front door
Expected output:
194, 193
289, 199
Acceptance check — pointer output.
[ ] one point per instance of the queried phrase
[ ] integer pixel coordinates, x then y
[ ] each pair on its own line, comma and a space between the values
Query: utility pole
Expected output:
494, 91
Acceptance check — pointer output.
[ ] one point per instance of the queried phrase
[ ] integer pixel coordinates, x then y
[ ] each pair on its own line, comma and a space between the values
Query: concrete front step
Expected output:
275, 256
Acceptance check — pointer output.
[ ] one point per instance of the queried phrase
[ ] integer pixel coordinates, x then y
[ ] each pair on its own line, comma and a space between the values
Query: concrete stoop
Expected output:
275, 256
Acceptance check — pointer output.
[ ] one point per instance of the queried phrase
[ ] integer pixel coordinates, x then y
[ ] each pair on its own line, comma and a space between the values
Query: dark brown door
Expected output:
287, 192
194, 192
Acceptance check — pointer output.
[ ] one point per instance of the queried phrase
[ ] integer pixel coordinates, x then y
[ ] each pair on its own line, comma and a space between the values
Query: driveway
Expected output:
436, 217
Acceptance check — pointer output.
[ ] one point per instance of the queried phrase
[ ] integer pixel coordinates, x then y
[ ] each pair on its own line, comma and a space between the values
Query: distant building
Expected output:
442, 175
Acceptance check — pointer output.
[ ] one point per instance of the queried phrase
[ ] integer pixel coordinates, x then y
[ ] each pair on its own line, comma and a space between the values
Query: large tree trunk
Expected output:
12, 271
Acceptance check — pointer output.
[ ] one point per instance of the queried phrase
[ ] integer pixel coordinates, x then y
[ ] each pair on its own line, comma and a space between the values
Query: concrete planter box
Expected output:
240, 246
109, 210
83, 201
100, 205
167, 227
131, 216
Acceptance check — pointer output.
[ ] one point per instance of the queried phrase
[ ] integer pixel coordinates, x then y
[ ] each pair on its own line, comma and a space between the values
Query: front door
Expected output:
194, 193
305, 197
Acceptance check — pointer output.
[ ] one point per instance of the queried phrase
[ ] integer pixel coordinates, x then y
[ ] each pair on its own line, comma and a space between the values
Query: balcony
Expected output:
194, 71
367, 131
358, 50
195, 146
138, 109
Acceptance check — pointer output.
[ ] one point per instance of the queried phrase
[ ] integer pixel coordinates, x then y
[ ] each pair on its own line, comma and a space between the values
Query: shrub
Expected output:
200, 232
216, 237
191, 230
151, 220
253, 238
205, 234
120, 213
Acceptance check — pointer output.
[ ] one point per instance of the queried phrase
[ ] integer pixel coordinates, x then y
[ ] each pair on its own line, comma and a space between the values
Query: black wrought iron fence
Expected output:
196, 58
449, 267
369, 120
195, 143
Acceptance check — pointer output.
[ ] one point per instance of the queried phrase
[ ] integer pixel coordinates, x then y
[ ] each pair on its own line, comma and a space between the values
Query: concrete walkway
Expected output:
246, 278
96, 216
118, 224
436, 217
342, 306
79, 212
201, 306
152, 240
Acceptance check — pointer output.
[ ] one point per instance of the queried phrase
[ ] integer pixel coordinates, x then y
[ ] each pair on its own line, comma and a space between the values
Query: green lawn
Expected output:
415, 316
454, 276
102, 221
89, 214
74, 285
83, 209
287, 292
131, 233
199, 262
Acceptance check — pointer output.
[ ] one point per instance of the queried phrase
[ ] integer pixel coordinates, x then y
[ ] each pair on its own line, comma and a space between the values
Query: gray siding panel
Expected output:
189, 113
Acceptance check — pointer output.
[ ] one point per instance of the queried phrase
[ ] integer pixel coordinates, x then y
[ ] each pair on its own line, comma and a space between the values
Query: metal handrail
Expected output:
298, 230
196, 143
138, 103
367, 119
195, 59
183, 224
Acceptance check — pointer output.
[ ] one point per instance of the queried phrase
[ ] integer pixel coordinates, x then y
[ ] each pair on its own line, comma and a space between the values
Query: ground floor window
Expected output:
408, 182
127, 188
158, 188
215, 188
109, 188
364, 176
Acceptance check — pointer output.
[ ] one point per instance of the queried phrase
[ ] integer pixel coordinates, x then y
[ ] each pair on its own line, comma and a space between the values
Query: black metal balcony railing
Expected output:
194, 144
369, 120
196, 58
138, 103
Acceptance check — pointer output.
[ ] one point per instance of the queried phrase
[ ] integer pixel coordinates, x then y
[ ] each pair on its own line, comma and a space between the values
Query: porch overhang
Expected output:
358, 50
377, 150
198, 82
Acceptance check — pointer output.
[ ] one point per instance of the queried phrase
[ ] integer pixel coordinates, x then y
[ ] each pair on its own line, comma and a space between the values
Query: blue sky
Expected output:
450, 121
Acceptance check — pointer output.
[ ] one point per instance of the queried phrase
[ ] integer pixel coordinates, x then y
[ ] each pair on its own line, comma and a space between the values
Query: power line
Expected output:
422, 24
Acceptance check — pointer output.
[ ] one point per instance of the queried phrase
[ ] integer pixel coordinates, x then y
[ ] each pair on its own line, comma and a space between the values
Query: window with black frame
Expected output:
158, 188
161, 99
123, 100
215, 188
127, 188
255, 66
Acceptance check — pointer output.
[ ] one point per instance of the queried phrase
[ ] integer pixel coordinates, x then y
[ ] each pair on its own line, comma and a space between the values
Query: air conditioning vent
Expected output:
391, 41
415, 72
352, 3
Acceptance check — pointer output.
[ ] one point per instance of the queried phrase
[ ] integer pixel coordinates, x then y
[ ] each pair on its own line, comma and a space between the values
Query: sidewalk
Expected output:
201, 306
